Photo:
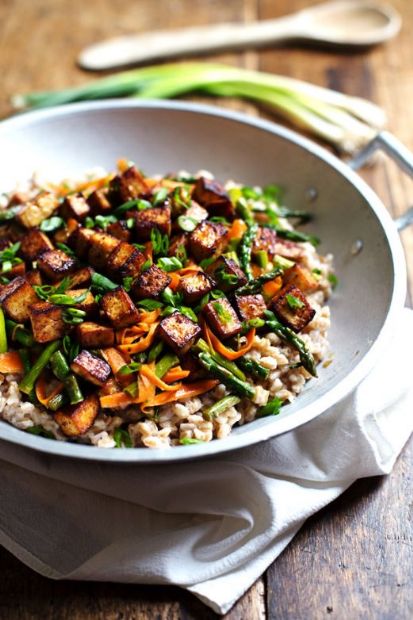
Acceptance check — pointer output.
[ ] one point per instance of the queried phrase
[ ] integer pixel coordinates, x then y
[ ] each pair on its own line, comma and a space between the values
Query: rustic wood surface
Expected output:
355, 558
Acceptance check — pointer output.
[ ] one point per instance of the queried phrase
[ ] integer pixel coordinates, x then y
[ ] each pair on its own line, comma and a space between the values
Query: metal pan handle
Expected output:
386, 142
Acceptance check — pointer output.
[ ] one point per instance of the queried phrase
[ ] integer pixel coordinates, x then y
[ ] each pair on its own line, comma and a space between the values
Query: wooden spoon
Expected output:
342, 22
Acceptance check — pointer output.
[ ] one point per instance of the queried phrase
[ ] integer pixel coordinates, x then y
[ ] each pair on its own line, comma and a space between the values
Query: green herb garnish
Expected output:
294, 302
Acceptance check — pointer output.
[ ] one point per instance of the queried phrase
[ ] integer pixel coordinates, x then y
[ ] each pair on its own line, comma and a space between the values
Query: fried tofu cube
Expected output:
207, 239
33, 243
94, 336
127, 186
47, 321
82, 277
211, 195
125, 260
75, 420
74, 206
119, 230
265, 241
194, 286
178, 245
91, 368
99, 202
16, 299
17, 270
196, 212
292, 308
222, 318
227, 274
87, 303
34, 277
150, 283
101, 246
250, 306
148, 219
288, 249
301, 277
119, 309
55, 264
79, 241
179, 332
33, 213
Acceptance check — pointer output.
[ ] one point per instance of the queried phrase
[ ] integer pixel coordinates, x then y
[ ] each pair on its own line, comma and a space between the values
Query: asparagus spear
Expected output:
255, 285
28, 381
202, 346
3, 335
59, 365
73, 390
291, 337
245, 248
293, 235
19, 333
236, 385
253, 368
220, 406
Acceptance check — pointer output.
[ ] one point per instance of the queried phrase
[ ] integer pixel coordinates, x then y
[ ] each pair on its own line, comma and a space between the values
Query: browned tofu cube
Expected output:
147, 220
74, 206
194, 286
91, 368
34, 277
101, 246
178, 245
292, 308
99, 203
150, 283
211, 195
87, 303
33, 243
79, 241
265, 241
196, 212
55, 264
301, 277
119, 308
17, 270
125, 260
82, 277
179, 332
47, 321
208, 238
119, 230
127, 186
227, 274
16, 299
94, 336
34, 212
250, 306
222, 318
77, 419
288, 249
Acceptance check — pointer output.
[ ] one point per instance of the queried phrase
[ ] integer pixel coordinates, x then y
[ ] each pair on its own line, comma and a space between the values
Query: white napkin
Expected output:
212, 526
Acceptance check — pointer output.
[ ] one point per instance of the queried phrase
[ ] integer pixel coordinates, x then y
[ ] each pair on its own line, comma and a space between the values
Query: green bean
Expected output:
233, 383
220, 406
155, 351
273, 407
19, 333
3, 334
24, 356
59, 365
73, 390
165, 363
28, 381
253, 368
291, 337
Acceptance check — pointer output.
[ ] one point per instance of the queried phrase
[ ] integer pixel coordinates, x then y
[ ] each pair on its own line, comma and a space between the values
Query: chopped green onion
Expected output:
332, 278
3, 334
186, 223
169, 263
262, 258
122, 438
293, 302
168, 361
155, 351
40, 431
51, 224
65, 248
149, 304
129, 369
160, 196
189, 441
220, 407
273, 407
103, 221
102, 283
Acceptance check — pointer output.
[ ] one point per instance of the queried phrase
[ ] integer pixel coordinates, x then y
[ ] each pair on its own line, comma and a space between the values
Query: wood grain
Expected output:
354, 559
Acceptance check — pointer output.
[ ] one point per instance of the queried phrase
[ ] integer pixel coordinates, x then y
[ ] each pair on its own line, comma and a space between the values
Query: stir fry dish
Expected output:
158, 311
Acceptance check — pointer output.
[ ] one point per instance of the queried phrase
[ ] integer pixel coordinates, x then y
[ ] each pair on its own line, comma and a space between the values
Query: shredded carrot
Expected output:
149, 316
122, 164
113, 401
146, 389
41, 390
175, 280
272, 287
115, 359
188, 390
188, 269
142, 344
148, 371
176, 374
226, 352
93, 184
237, 229
256, 270
11, 363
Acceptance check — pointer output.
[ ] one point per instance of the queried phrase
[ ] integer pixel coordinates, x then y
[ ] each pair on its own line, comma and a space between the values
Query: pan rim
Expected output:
254, 435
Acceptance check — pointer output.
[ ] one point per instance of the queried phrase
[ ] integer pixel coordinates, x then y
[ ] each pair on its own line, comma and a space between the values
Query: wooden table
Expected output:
354, 559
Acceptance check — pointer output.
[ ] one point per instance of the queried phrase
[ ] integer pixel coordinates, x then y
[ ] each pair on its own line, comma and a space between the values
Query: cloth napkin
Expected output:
213, 526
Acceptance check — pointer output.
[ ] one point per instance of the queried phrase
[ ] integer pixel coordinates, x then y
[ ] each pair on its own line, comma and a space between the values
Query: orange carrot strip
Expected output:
188, 390
272, 287
115, 359
113, 401
188, 269
148, 371
237, 229
11, 363
146, 389
142, 344
256, 271
226, 352
176, 374
41, 390
175, 280
149, 316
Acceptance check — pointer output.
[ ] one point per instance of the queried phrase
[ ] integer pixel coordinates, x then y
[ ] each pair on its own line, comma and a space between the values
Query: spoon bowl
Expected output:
348, 23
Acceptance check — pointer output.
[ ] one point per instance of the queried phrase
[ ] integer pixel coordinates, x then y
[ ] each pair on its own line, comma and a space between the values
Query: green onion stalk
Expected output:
347, 123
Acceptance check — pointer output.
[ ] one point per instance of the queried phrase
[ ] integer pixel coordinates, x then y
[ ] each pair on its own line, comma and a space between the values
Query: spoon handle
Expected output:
132, 49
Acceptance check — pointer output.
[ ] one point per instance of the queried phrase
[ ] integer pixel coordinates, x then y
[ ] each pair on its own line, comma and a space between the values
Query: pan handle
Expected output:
386, 142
